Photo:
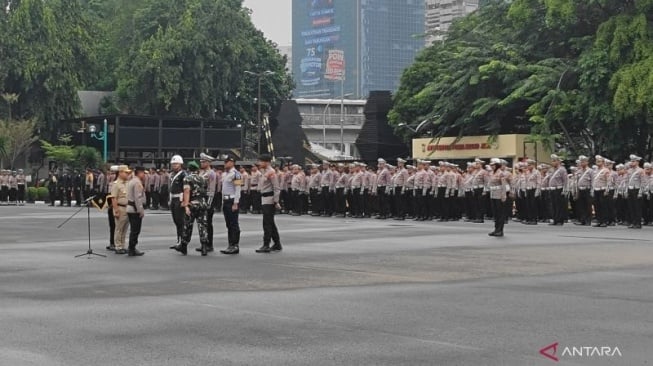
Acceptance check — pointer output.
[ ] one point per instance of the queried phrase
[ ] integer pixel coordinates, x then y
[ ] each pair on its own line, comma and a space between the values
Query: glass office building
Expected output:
379, 39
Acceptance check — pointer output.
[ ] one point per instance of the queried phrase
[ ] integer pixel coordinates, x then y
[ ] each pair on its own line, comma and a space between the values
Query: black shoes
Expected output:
231, 250
135, 253
121, 251
276, 248
208, 249
263, 249
496, 233
111, 248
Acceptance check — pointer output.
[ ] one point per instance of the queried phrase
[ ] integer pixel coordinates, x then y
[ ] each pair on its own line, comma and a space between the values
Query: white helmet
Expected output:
176, 160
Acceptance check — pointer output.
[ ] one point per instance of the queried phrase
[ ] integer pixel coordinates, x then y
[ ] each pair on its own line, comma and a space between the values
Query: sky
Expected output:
274, 18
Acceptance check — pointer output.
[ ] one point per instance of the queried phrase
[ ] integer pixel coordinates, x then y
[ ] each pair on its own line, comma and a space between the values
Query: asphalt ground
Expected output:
343, 292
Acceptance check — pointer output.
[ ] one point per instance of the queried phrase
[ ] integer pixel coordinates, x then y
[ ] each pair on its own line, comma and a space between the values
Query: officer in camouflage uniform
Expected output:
195, 204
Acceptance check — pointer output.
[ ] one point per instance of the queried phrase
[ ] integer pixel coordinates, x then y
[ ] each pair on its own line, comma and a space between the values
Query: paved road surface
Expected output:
343, 292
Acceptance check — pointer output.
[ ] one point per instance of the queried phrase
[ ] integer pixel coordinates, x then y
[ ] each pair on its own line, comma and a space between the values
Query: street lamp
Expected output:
100, 136
324, 118
342, 118
419, 127
259, 75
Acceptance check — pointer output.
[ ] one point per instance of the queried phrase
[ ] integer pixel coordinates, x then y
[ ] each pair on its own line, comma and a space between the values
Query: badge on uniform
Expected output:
100, 201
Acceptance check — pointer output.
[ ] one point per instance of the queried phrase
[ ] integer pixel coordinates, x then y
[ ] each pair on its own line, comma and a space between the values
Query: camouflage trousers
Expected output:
199, 215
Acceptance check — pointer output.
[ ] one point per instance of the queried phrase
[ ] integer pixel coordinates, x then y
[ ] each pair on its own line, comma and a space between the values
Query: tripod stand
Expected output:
89, 252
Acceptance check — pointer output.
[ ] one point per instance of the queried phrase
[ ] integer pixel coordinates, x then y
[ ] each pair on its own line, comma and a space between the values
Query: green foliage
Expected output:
16, 138
32, 193
571, 72
183, 58
62, 154
42, 193
86, 157
45, 58
77, 157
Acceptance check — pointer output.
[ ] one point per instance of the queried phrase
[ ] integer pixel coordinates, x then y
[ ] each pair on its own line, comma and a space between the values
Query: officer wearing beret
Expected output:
270, 202
232, 182
209, 175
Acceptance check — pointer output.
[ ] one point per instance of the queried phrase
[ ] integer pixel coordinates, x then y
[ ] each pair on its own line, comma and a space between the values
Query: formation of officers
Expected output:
68, 186
12, 187
196, 190
531, 193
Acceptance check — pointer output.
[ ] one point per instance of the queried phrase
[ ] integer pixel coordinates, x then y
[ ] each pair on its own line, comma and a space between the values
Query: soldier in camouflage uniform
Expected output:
195, 204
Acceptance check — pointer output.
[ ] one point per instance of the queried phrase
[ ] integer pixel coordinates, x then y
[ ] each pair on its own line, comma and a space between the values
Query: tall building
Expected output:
441, 13
377, 39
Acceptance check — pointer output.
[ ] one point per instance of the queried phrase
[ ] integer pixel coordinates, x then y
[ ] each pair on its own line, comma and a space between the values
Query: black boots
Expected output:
181, 248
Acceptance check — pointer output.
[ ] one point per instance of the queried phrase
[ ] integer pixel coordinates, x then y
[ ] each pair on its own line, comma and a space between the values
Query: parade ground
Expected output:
343, 292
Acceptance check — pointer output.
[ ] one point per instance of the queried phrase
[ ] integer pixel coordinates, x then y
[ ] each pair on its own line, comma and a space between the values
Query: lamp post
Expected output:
101, 136
342, 121
260, 76
324, 117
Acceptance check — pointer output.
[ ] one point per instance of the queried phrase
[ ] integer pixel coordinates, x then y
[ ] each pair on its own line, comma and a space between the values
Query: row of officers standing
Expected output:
532, 193
12, 187
196, 191
68, 186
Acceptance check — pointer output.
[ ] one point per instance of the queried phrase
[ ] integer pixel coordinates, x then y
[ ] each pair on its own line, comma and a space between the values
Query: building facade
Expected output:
441, 13
378, 39
321, 122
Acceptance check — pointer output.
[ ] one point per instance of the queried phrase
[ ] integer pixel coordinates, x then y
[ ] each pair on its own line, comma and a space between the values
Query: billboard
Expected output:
319, 38
335, 65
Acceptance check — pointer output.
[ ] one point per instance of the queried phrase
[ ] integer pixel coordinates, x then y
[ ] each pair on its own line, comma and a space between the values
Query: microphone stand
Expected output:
89, 253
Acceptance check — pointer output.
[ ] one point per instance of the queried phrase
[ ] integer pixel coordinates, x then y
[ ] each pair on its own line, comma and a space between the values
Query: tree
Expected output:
570, 72
19, 137
45, 57
86, 157
10, 99
189, 57
76, 157
63, 153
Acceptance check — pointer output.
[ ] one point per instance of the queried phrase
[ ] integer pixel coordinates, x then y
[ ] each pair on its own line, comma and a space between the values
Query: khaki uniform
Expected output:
119, 193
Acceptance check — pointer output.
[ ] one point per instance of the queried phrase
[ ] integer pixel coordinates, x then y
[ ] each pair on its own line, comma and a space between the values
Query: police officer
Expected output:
269, 188
194, 204
231, 186
111, 178
584, 185
4, 187
52, 188
20, 182
381, 182
135, 209
498, 196
601, 191
637, 180
558, 183
177, 195
209, 175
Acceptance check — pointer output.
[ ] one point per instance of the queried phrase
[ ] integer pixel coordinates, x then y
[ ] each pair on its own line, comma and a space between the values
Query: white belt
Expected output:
229, 197
478, 187
599, 189
632, 187
178, 195
583, 188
